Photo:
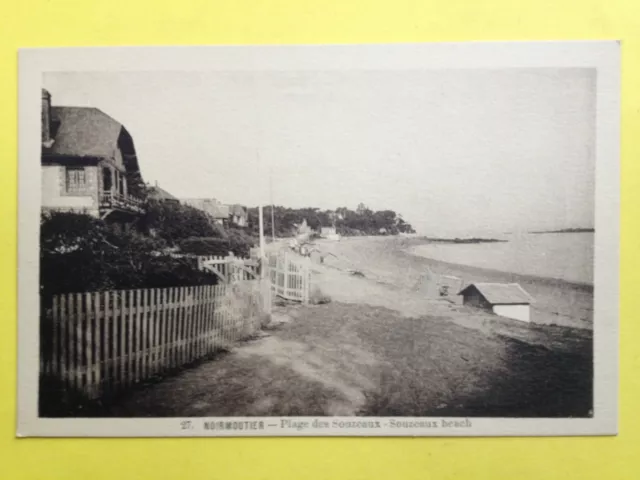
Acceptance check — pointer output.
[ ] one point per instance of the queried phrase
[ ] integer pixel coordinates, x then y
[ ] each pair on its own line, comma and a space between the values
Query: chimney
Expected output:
46, 117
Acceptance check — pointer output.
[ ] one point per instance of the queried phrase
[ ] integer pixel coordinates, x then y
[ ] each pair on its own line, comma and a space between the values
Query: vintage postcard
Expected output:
380, 240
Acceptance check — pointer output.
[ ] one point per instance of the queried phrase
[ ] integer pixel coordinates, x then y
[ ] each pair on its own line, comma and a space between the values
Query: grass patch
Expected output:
431, 366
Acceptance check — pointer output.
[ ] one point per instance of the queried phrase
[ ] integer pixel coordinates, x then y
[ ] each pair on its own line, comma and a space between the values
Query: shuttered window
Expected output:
76, 180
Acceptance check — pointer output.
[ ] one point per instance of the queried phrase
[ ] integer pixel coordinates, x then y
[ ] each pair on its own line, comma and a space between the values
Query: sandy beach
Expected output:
388, 261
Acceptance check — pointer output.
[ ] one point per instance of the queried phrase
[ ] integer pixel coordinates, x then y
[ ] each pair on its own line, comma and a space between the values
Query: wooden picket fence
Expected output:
290, 276
106, 341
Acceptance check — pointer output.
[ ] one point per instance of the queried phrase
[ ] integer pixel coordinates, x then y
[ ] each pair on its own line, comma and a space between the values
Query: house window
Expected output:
107, 180
76, 180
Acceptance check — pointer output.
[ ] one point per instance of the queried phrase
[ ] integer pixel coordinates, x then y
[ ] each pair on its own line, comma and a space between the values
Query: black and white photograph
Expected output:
405, 240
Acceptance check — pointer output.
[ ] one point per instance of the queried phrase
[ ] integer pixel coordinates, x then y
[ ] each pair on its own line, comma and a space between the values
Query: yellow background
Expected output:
33, 23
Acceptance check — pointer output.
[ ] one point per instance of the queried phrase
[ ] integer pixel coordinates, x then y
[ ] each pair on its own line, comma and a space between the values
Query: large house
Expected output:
89, 163
214, 208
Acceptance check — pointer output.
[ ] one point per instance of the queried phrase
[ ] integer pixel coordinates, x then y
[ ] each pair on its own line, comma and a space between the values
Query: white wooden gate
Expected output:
230, 269
290, 276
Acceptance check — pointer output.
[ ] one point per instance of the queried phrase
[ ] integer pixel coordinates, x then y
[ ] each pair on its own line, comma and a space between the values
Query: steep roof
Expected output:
209, 205
501, 293
237, 210
89, 132
157, 193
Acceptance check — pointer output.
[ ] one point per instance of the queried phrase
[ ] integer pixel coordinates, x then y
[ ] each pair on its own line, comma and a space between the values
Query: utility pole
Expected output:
273, 220
261, 223
261, 227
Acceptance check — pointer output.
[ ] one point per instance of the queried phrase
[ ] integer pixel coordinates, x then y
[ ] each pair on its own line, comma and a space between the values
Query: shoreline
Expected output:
557, 302
551, 281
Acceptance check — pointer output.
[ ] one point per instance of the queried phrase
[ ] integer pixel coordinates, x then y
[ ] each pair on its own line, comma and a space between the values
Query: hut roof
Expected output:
500, 293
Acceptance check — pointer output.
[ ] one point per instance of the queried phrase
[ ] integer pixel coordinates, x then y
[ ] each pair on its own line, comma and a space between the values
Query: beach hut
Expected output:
504, 299
329, 233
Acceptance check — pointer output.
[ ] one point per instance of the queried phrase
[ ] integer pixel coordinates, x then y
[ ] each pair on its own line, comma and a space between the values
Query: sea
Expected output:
565, 256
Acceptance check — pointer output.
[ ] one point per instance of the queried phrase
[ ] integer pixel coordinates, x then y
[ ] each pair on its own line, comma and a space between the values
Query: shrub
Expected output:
205, 246
82, 254
240, 242
173, 222
348, 232
236, 241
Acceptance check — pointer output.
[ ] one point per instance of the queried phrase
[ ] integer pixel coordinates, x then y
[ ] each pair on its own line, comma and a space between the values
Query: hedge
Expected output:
82, 254
236, 242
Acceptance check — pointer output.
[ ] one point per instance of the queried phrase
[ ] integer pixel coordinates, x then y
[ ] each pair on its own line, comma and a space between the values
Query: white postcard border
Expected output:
600, 55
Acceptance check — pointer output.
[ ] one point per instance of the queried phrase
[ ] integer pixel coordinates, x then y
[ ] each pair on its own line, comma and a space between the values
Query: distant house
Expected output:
160, 195
326, 231
214, 208
89, 163
329, 233
303, 231
303, 228
238, 215
504, 299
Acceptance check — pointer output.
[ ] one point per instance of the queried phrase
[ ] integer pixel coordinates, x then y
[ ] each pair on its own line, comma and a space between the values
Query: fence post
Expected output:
144, 336
306, 281
182, 313
173, 345
89, 344
108, 373
115, 321
97, 338
71, 341
137, 343
162, 331
79, 344
123, 327
55, 328
188, 325
64, 345
131, 322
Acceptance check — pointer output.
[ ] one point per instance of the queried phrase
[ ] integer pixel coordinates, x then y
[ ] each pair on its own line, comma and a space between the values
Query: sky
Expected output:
456, 152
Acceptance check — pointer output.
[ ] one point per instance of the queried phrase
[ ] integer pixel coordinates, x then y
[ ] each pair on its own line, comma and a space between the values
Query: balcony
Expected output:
111, 201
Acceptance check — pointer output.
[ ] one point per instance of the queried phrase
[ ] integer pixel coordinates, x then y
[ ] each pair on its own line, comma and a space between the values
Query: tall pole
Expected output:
273, 221
261, 223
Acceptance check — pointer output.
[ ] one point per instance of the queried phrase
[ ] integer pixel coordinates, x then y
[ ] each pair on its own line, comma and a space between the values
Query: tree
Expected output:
362, 221
173, 222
